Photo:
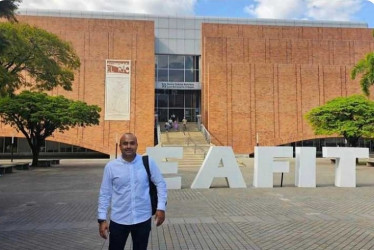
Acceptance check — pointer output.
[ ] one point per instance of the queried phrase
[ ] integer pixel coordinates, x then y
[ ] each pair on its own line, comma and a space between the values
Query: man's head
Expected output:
128, 145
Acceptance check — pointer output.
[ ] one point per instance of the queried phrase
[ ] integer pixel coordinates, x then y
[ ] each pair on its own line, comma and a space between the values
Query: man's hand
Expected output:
103, 229
159, 217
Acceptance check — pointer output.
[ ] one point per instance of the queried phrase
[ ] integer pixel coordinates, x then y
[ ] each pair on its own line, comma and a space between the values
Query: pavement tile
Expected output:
55, 208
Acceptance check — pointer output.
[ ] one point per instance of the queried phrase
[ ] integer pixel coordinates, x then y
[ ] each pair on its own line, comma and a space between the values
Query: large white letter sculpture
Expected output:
265, 165
159, 154
345, 163
305, 167
210, 169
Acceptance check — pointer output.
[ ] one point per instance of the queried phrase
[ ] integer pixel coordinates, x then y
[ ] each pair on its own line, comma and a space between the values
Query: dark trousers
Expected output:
139, 235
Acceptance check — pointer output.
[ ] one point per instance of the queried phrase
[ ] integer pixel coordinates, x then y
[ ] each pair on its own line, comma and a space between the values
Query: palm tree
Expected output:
7, 8
366, 68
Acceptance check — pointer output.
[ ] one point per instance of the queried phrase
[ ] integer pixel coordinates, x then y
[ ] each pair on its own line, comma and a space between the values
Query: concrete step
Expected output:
195, 147
191, 126
181, 139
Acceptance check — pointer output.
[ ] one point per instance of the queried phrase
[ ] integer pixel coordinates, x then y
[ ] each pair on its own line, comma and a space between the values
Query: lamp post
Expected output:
11, 149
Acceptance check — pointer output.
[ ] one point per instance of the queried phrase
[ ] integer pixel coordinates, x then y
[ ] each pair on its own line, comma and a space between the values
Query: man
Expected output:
184, 121
125, 186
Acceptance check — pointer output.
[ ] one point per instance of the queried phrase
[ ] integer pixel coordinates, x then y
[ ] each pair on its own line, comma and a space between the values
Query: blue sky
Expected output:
340, 10
235, 8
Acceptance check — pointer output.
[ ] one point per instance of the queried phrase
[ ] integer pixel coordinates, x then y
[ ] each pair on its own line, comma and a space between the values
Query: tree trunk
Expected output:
35, 155
352, 141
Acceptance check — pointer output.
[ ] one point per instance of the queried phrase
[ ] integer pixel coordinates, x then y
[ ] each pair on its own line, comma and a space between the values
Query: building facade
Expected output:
251, 80
260, 80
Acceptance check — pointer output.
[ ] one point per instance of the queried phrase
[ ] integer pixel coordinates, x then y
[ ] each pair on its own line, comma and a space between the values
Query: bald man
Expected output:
125, 189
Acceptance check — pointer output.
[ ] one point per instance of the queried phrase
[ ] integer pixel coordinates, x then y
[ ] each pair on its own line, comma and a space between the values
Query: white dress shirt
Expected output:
125, 185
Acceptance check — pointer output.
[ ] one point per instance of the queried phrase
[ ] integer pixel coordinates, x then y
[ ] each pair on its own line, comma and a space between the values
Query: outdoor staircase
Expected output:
195, 147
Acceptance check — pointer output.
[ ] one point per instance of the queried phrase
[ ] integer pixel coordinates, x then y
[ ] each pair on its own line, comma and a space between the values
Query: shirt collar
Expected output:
127, 162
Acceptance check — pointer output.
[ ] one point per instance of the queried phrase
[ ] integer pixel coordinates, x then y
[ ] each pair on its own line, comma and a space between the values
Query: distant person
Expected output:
173, 117
167, 126
184, 122
125, 189
176, 125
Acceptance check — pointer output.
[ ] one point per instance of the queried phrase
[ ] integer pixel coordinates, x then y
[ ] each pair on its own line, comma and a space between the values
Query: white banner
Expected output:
178, 85
117, 89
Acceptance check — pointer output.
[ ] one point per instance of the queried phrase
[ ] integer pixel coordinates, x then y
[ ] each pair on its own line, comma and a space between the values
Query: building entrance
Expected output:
181, 103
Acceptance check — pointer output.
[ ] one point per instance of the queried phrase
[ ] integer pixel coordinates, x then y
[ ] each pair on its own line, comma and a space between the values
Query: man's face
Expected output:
128, 146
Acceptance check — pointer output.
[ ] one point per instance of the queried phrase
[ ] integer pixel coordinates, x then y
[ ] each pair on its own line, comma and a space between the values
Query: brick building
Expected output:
260, 80
251, 80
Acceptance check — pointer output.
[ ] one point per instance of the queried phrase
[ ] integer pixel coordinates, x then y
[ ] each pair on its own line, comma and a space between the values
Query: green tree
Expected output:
351, 117
365, 67
38, 115
7, 9
46, 60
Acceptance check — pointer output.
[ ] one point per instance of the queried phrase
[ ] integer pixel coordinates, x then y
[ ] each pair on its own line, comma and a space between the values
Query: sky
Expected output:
334, 10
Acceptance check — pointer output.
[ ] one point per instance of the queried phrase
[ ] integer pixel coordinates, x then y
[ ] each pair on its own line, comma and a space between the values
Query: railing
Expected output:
196, 146
159, 135
205, 133
208, 136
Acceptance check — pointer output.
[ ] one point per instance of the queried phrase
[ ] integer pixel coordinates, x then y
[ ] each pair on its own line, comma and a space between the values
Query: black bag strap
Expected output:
146, 165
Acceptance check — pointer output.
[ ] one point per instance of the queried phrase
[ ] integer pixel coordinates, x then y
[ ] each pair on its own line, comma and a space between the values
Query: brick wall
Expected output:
263, 79
96, 40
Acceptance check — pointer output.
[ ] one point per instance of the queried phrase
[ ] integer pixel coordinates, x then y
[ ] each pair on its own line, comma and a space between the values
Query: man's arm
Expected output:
104, 201
160, 183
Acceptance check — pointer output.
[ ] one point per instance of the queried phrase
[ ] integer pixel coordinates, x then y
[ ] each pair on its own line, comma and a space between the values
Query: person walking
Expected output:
167, 126
176, 125
184, 122
125, 189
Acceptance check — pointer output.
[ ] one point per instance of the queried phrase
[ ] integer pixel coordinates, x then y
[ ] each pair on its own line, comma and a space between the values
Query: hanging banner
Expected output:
117, 89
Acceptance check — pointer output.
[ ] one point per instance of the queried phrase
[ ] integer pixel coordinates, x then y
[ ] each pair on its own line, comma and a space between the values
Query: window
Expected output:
177, 68
163, 100
65, 147
176, 75
1, 145
192, 62
8, 144
176, 62
162, 62
192, 75
162, 75
177, 99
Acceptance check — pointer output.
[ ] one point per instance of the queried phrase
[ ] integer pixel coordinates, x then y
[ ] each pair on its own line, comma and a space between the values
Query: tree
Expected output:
46, 60
7, 8
351, 117
38, 116
366, 68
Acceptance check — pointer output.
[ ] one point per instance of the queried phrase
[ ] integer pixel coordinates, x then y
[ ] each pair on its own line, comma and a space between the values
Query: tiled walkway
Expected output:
55, 208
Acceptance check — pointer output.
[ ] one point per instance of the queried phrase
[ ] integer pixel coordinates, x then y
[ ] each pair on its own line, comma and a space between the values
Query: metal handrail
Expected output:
208, 136
196, 146
205, 133
159, 135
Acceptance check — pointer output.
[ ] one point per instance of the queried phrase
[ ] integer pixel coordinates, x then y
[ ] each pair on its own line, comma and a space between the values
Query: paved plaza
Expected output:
55, 208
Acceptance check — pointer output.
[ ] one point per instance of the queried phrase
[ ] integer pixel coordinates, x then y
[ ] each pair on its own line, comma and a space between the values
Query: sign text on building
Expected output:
178, 85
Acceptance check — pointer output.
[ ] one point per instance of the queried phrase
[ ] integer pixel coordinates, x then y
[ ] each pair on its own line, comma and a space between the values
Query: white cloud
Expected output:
160, 7
333, 9
276, 8
342, 10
